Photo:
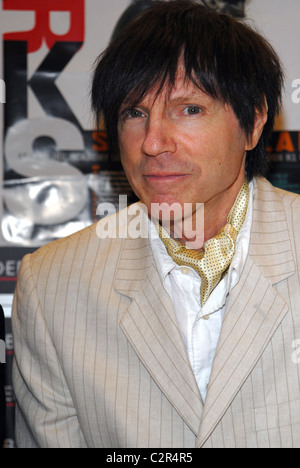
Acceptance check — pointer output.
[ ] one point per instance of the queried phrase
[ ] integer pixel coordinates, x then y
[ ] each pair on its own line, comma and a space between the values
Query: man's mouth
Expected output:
164, 177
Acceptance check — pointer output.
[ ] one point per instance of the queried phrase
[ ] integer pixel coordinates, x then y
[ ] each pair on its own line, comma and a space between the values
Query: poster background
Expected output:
101, 177
278, 21
56, 169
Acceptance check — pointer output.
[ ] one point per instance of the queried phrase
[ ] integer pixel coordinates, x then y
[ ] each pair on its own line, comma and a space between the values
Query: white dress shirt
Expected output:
200, 326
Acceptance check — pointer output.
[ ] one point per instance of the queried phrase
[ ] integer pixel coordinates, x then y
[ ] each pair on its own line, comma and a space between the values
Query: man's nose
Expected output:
159, 137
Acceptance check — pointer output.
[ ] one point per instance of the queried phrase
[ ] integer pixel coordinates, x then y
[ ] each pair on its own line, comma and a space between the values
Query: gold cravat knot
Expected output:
213, 260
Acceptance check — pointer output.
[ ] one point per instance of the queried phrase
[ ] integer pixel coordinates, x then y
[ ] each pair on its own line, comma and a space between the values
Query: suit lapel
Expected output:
253, 314
149, 323
254, 310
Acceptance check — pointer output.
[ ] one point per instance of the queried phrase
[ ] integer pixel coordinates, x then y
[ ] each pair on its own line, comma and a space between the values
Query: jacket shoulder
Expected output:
291, 205
88, 245
289, 199
112, 227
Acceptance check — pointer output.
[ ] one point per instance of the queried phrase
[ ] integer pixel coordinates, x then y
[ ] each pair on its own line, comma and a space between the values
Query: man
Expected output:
117, 344
2, 376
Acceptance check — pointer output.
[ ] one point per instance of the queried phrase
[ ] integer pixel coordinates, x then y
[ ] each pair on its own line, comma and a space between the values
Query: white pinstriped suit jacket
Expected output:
99, 359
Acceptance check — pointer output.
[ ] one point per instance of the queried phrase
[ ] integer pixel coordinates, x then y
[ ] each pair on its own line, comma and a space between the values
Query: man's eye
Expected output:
132, 114
192, 110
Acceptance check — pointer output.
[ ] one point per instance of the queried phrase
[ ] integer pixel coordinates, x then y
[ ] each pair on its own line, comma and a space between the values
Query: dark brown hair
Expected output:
222, 55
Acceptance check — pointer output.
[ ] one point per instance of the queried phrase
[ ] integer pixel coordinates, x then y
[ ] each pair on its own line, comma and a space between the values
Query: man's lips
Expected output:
164, 177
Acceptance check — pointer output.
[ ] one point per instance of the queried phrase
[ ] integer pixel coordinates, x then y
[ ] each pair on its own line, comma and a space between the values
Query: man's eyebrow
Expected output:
128, 103
186, 98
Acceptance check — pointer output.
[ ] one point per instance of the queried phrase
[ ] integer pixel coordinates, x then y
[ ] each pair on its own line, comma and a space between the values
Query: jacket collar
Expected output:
270, 245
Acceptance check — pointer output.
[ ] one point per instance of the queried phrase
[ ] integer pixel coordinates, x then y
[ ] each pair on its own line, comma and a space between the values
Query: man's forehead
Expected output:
185, 87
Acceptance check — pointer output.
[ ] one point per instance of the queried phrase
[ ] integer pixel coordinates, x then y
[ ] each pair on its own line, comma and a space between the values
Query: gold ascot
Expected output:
213, 261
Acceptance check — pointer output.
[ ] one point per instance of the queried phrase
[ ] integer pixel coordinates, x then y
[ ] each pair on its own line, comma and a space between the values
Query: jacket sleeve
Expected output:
45, 413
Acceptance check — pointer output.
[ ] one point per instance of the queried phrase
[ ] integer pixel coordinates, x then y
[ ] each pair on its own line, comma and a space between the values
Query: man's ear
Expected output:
261, 117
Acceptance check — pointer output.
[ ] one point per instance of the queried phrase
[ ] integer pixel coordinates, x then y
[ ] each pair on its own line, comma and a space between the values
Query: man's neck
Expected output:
214, 217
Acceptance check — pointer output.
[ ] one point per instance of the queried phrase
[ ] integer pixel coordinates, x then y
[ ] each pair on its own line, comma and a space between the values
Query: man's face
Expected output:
182, 147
